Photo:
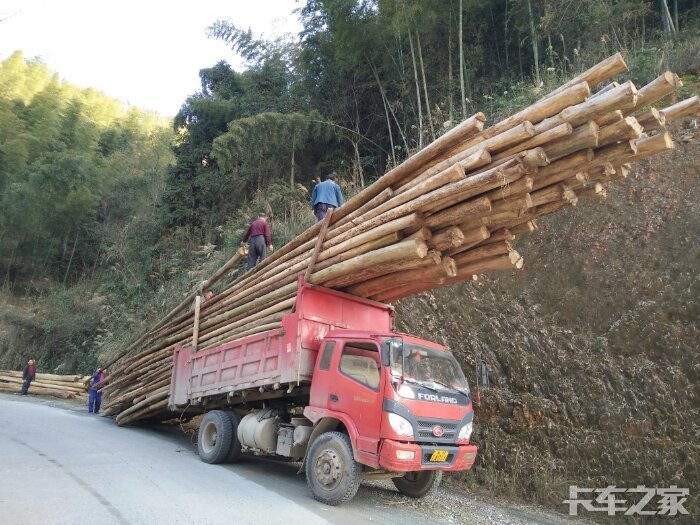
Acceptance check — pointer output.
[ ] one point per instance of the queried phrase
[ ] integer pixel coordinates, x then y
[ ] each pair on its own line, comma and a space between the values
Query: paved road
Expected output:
60, 465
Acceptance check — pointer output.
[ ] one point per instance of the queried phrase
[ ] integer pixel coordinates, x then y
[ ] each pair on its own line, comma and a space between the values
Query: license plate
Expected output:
439, 456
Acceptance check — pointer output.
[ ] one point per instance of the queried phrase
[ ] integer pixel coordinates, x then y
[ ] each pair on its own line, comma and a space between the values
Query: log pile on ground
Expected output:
445, 215
63, 386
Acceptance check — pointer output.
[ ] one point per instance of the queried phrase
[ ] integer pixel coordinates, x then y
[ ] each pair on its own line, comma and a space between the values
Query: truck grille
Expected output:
426, 426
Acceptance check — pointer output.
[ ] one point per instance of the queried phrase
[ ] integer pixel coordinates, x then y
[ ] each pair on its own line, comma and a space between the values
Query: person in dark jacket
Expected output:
259, 240
28, 375
95, 395
326, 195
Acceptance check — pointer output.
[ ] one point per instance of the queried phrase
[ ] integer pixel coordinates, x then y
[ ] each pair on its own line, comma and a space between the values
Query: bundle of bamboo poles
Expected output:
445, 215
63, 386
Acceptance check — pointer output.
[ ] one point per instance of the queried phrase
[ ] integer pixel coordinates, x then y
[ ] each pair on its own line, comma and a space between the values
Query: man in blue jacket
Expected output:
326, 195
95, 395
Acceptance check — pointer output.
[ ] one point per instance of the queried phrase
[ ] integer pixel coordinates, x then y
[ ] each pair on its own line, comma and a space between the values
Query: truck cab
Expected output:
403, 402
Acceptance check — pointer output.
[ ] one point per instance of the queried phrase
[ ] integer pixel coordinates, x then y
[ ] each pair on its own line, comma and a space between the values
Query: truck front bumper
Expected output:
396, 456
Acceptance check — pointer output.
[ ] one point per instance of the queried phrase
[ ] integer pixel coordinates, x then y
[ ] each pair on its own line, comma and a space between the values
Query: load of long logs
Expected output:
62, 386
445, 215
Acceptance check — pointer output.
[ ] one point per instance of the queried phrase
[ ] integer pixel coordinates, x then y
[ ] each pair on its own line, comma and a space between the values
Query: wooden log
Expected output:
154, 398
613, 152
546, 107
555, 192
501, 141
595, 190
557, 132
684, 108
605, 70
472, 237
651, 120
70, 378
404, 250
195, 329
476, 184
489, 264
502, 235
610, 118
384, 196
626, 129
319, 242
605, 89
387, 240
562, 169
452, 174
520, 186
253, 327
429, 274
459, 213
661, 86
624, 95
274, 309
39, 384
447, 238
648, 147
417, 162
368, 231
583, 137
487, 251
33, 389
528, 226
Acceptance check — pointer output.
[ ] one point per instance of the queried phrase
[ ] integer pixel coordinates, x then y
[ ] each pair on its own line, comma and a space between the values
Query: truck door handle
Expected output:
334, 398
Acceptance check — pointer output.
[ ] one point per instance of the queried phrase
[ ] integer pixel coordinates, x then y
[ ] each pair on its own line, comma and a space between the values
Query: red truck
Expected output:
336, 388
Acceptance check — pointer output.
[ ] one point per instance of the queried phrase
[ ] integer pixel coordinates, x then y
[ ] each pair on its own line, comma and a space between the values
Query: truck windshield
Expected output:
429, 367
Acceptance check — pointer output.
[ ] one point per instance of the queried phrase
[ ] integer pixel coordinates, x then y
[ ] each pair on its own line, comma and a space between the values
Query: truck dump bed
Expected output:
279, 358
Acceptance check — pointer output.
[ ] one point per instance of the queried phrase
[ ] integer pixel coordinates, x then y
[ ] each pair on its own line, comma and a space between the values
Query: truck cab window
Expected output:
360, 361
327, 355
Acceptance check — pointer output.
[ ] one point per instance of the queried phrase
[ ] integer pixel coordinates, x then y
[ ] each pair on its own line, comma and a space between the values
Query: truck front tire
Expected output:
215, 437
332, 473
418, 484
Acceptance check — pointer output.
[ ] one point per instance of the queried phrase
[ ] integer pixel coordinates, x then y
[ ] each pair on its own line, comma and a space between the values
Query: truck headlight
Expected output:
465, 432
400, 425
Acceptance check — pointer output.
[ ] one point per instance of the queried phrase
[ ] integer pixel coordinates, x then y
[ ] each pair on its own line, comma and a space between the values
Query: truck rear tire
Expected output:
215, 437
418, 484
234, 453
332, 473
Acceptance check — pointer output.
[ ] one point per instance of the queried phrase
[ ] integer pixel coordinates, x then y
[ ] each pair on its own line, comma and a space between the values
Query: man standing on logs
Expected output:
95, 395
259, 240
28, 375
326, 195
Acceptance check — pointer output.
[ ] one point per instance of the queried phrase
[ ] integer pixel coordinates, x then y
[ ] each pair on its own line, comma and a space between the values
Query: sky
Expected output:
147, 53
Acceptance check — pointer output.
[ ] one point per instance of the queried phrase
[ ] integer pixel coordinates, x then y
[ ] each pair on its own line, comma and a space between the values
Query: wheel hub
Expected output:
328, 468
209, 437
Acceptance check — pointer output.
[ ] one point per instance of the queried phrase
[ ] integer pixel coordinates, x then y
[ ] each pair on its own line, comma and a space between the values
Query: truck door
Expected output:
356, 391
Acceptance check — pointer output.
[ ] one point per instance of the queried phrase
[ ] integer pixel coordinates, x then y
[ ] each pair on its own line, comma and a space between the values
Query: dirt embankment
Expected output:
593, 348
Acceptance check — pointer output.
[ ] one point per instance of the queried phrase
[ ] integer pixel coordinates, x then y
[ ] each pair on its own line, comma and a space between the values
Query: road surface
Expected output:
60, 465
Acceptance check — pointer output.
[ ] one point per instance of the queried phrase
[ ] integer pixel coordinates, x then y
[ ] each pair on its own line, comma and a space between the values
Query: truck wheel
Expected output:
332, 473
215, 437
418, 484
234, 453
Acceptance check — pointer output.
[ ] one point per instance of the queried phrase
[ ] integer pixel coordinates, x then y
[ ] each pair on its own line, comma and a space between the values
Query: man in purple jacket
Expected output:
259, 240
